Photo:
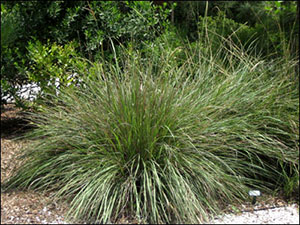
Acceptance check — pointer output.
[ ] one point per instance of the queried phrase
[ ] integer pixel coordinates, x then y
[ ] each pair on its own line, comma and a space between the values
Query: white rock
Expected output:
31, 90
282, 215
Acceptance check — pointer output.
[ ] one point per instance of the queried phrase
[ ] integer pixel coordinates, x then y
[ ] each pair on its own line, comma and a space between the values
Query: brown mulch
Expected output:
22, 207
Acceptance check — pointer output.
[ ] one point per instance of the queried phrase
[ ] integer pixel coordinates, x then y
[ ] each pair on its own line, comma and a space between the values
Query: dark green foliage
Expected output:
274, 25
91, 25
11, 28
219, 27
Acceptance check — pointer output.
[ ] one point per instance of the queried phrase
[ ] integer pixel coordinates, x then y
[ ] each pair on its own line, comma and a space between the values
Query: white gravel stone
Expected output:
280, 215
31, 90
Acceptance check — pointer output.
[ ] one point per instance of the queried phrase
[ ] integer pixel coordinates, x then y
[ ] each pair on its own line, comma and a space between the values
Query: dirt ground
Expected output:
22, 207
29, 207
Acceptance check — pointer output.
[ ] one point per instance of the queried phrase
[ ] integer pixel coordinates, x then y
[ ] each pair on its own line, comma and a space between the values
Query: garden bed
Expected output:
31, 207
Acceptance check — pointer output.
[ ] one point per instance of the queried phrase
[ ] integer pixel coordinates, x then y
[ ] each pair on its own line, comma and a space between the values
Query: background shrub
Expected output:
270, 28
92, 25
50, 63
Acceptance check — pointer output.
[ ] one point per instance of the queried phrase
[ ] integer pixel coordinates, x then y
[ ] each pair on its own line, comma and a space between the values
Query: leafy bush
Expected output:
10, 30
123, 23
52, 62
168, 146
91, 25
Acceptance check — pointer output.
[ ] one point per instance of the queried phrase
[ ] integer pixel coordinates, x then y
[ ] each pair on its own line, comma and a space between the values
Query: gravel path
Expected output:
288, 214
47, 215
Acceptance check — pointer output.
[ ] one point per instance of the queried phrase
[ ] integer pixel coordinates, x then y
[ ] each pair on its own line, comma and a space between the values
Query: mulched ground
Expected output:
21, 206
29, 207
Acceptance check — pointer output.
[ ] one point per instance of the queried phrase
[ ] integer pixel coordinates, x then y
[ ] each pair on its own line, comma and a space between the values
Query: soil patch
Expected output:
13, 122
22, 207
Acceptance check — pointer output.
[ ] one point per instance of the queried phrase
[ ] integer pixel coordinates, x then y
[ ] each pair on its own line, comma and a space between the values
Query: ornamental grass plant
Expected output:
167, 143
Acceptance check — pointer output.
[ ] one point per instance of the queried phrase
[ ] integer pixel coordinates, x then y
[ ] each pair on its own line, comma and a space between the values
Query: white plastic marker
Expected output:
254, 194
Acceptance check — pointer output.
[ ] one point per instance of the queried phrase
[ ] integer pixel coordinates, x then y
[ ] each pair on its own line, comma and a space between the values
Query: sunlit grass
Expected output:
167, 145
